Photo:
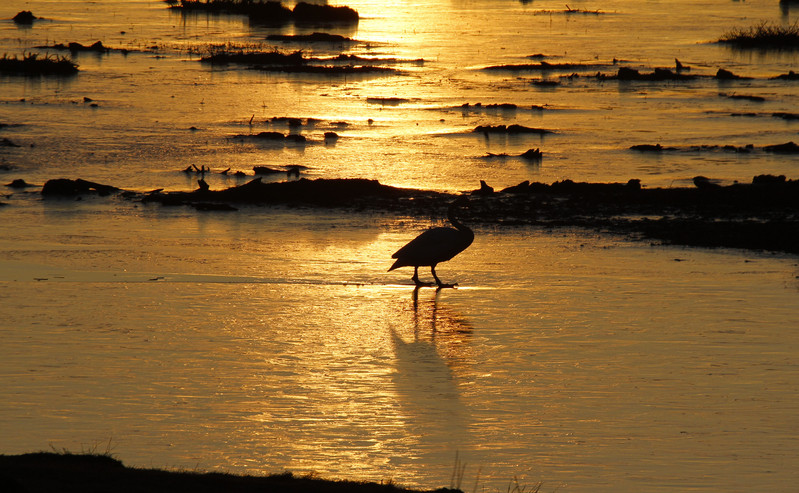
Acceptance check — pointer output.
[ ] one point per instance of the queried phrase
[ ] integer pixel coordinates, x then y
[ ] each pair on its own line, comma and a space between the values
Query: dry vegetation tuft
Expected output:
764, 35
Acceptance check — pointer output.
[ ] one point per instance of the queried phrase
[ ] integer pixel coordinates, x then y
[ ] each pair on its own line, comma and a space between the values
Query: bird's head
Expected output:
452, 211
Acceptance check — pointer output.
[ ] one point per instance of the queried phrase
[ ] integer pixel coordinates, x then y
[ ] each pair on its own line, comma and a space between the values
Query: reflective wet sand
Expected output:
275, 340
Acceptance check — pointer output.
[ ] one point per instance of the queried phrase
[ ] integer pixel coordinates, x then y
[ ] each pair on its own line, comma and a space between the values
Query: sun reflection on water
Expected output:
342, 388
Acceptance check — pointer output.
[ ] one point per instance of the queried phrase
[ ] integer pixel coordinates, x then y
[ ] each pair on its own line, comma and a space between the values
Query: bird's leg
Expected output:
416, 280
438, 281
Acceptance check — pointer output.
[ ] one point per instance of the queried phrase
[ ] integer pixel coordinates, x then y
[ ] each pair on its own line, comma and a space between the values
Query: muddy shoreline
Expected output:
762, 215
79, 473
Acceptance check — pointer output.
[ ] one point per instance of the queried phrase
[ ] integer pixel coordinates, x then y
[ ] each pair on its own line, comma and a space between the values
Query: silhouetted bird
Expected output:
705, 183
435, 245
485, 189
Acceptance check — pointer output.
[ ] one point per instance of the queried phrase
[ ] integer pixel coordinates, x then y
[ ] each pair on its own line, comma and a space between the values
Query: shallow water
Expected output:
273, 338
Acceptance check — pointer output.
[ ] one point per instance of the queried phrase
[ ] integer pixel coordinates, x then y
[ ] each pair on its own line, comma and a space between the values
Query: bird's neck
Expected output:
454, 220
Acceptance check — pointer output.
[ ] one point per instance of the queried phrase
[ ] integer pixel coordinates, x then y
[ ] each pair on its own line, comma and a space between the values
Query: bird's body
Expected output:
431, 247
435, 245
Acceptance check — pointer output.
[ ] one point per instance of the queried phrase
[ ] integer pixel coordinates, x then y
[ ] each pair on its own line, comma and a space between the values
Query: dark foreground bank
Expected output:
761, 215
45, 472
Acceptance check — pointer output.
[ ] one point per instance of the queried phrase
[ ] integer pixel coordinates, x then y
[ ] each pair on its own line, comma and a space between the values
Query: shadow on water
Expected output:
787, 5
428, 361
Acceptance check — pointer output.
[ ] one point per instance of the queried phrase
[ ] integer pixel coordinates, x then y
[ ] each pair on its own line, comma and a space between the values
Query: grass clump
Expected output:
254, 57
764, 35
35, 64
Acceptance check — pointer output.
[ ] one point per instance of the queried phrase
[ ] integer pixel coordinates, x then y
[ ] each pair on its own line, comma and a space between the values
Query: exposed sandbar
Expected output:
762, 215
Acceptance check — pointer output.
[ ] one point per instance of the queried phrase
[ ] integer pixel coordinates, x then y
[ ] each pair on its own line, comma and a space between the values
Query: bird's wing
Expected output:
433, 246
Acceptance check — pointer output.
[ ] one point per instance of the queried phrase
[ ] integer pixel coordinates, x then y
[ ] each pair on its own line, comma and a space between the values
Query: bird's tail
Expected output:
396, 265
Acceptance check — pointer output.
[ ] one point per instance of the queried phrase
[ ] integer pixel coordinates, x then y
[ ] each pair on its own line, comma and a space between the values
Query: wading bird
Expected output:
435, 245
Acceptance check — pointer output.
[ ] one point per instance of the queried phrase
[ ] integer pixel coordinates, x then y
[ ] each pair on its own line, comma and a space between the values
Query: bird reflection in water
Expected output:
427, 370
445, 322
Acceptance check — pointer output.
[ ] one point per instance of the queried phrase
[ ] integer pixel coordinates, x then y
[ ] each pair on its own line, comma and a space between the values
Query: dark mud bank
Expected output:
762, 215
81, 473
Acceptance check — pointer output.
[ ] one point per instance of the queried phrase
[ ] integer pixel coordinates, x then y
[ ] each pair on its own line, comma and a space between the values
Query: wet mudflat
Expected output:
586, 346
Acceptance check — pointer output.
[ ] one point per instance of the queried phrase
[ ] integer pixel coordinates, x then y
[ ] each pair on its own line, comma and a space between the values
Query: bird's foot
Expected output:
422, 284
442, 285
